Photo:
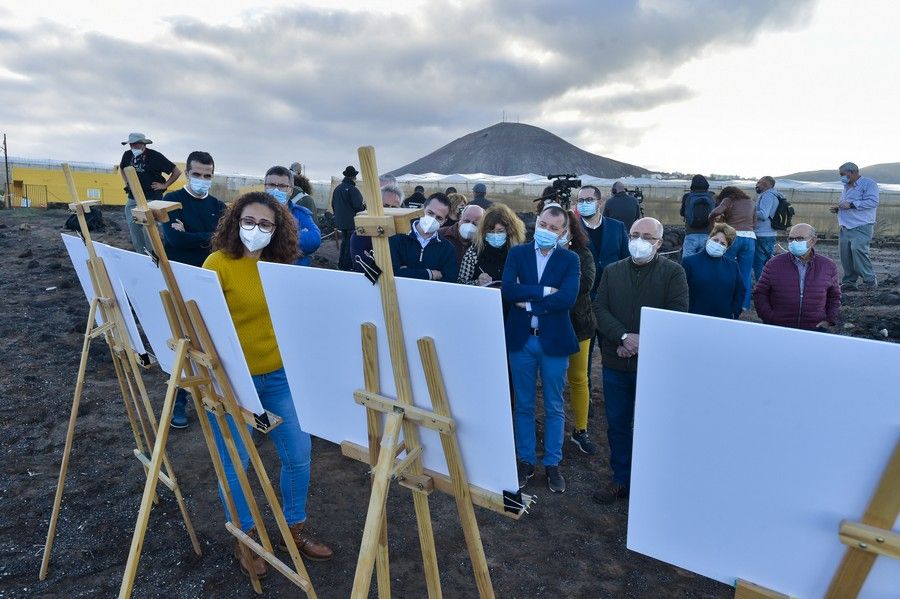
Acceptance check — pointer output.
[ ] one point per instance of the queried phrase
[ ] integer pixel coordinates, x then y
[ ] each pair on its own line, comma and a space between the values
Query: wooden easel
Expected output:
401, 414
131, 385
865, 541
196, 367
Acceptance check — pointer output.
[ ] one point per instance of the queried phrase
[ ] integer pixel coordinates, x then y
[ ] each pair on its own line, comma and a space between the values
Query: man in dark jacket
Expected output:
799, 289
541, 282
416, 200
187, 234
461, 234
695, 208
644, 279
478, 196
346, 201
422, 254
622, 206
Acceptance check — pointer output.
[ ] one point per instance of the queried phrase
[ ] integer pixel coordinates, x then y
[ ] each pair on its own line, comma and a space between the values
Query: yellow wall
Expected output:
110, 185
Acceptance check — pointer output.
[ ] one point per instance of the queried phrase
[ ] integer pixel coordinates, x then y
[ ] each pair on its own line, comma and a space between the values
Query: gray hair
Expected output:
392, 188
386, 180
770, 180
848, 167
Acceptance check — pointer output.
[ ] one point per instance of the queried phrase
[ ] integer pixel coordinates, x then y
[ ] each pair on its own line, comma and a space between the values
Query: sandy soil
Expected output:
568, 546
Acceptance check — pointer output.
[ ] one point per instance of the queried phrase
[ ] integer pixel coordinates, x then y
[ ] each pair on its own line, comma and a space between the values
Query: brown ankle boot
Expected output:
258, 564
310, 547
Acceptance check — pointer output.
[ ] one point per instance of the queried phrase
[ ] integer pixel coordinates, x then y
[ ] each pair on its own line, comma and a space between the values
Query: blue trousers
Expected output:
765, 247
618, 396
294, 450
525, 365
743, 249
693, 243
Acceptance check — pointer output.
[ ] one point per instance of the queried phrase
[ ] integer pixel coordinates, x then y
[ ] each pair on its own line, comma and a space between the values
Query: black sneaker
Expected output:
611, 494
555, 480
526, 471
583, 442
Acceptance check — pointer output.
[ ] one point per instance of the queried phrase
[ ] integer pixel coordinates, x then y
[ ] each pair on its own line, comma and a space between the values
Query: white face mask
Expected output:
136, 152
254, 239
428, 224
467, 230
641, 250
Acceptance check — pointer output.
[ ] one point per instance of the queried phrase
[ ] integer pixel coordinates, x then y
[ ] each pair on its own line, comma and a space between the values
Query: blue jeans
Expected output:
743, 250
693, 243
525, 365
293, 445
618, 396
765, 247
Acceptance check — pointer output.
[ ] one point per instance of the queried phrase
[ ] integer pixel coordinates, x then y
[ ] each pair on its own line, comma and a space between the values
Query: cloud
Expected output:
312, 84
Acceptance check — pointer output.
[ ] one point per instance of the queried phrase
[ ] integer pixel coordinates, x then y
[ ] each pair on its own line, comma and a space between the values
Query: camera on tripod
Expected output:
562, 189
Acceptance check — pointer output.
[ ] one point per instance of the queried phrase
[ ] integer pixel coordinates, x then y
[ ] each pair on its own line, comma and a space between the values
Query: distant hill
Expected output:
514, 149
888, 172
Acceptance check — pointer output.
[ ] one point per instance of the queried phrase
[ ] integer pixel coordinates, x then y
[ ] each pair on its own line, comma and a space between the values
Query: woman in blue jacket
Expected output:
714, 280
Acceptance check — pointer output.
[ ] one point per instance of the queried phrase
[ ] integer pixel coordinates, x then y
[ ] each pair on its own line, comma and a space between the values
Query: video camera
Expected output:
562, 189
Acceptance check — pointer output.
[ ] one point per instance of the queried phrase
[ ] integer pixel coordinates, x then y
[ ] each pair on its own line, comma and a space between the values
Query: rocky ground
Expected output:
567, 547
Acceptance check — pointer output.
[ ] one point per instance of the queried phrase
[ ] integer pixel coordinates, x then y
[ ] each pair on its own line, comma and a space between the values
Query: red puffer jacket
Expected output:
777, 293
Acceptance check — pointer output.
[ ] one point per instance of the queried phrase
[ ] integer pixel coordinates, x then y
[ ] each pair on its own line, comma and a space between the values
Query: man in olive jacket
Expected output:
626, 286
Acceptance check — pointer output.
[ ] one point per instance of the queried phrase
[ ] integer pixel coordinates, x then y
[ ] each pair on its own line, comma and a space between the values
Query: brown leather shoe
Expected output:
258, 564
310, 547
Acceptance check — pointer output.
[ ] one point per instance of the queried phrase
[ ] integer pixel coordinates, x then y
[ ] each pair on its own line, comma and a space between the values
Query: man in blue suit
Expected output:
608, 243
540, 281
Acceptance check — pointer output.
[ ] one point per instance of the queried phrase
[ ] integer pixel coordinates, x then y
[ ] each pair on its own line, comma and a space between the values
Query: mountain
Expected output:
514, 149
887, 172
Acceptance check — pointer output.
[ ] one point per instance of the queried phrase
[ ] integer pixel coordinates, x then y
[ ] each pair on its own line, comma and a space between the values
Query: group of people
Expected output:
578, 283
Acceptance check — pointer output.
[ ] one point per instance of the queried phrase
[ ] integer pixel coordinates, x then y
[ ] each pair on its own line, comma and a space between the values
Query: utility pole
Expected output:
6, 197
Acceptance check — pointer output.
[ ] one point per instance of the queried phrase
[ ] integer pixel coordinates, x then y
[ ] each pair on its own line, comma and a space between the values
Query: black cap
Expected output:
350, 172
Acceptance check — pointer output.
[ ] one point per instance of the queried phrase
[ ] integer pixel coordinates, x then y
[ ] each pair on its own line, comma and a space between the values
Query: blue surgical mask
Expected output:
798, 248
845, 179
496, 240
714, 248
280, 196
544, 238
587, 209
199, 186
563, 241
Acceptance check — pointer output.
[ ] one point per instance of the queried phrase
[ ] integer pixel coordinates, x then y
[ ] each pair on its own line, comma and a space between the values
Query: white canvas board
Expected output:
142, 282
202, 286
317, 315
752, 443
79, 255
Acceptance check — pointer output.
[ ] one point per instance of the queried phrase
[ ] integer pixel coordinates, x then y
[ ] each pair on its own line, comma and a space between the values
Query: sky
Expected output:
747, 87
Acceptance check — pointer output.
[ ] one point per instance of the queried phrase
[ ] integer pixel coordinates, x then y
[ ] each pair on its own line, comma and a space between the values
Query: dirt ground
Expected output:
567, 547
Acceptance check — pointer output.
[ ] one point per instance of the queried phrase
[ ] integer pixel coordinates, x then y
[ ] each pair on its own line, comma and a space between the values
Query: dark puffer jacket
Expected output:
778, 299
583, 320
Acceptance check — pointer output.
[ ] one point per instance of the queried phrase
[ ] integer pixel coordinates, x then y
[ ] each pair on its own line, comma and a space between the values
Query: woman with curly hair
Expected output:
585, 324
498, 230
257, 227
735, 208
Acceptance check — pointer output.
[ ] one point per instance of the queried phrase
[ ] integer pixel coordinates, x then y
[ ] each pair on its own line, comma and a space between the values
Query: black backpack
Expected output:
94, 220
697, 207
784, 212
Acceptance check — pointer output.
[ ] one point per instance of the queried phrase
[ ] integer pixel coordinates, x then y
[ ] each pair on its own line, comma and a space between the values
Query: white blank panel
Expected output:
142, 282
317, 316
202, 286
79, 256
753, 442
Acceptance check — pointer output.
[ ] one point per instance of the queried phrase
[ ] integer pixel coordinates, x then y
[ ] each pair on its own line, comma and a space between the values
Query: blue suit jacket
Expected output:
613, 247
521, 284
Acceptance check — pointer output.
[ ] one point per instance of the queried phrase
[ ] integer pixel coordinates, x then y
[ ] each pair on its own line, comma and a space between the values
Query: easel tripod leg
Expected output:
137, 540
70, 434
381, 478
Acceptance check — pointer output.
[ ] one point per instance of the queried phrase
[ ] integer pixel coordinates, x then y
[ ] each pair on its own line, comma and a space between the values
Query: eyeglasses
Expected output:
645, 237
248, 222
282, 187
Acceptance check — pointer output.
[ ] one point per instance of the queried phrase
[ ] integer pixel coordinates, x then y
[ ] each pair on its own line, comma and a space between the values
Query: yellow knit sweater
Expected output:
247, 304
